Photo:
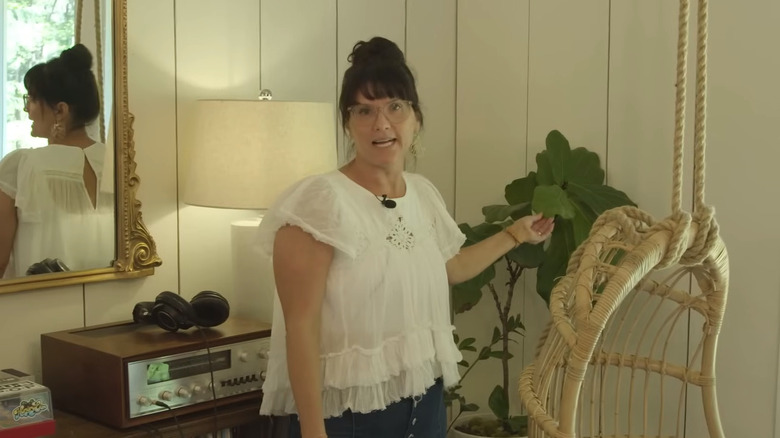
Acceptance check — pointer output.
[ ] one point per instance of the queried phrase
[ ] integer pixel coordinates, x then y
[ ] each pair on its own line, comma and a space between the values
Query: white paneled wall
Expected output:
217, 57
431, 53
567, 90
491, 123
742, 156
494, 76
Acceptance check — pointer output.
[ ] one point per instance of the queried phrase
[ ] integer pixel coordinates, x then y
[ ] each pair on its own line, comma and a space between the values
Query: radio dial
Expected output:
144, 401
242, 356
166, 395
183, 393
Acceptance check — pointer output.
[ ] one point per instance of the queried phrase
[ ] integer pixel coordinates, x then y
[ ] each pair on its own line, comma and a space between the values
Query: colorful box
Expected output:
25, 407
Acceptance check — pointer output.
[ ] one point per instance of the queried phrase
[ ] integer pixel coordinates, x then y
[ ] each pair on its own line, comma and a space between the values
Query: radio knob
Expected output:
166, 395
262, 354
197, 389
262, 375
243, 356
144, 401
183, 393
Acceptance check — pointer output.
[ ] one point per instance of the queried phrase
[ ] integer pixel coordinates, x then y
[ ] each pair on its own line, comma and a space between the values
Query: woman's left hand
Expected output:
532, 229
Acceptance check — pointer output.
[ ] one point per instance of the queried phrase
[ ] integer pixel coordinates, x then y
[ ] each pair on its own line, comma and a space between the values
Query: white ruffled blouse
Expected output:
386, 332
56, 217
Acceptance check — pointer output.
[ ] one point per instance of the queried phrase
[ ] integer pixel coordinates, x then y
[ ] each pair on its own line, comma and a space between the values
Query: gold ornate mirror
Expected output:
135, 251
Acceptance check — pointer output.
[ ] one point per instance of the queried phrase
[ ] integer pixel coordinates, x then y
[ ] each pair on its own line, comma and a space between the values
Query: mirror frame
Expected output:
136, 252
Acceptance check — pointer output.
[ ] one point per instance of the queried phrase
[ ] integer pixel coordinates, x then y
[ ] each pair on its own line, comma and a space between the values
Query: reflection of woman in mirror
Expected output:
53, 202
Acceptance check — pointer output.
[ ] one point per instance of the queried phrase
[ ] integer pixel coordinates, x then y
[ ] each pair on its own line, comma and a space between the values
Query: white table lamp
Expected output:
245, 153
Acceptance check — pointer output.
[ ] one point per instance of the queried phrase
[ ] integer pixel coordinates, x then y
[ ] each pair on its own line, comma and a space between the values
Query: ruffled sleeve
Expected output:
448, 236
9, 172
314, 205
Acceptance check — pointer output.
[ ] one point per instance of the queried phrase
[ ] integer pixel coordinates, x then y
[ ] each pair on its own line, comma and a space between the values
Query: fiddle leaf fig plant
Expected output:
568, 184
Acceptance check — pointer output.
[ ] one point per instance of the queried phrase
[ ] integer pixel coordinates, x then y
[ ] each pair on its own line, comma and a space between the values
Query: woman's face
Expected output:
382, 129
42, 116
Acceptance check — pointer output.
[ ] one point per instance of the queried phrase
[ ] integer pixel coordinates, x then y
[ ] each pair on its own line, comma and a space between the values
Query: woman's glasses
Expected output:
396, 111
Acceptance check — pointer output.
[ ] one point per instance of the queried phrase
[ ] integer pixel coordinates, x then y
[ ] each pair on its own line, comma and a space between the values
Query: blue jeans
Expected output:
421, 417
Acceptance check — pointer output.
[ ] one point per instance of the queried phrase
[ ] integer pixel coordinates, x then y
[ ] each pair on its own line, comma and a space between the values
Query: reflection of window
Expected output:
33, 31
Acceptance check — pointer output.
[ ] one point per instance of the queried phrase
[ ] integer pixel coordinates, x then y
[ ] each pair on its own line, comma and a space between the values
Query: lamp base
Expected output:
253, 279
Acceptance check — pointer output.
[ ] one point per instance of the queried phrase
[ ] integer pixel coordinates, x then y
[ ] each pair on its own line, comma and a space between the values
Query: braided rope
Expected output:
700, 116
679, 105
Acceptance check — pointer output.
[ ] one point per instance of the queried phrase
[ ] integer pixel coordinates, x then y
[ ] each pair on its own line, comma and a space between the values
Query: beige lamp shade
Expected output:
246, 152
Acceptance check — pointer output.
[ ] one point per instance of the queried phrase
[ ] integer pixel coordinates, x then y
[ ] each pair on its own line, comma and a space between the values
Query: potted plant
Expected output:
568, 184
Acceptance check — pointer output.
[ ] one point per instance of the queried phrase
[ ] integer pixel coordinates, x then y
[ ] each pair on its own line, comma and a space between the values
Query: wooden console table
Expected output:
243, 415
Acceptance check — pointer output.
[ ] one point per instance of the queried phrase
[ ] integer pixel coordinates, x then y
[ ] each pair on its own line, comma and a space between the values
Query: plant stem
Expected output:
515, 270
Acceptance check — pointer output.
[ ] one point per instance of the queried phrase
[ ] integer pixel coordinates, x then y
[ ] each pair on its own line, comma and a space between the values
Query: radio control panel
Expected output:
196, 376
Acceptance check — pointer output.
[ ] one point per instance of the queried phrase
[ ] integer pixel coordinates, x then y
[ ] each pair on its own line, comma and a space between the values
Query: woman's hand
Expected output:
531, 229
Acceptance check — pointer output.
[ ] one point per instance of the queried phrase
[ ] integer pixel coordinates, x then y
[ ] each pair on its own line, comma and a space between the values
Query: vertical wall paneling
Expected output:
742, 155
642, 94
151, 89
567, 91
26, 315
492, 55
218, 57
360, 20
430, 52
298, 47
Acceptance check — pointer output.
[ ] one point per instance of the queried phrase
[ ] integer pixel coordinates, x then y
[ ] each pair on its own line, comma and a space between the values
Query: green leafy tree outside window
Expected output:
35, 31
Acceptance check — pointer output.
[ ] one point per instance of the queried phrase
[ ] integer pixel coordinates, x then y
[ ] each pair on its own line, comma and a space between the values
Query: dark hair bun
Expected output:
377, 49
77, 58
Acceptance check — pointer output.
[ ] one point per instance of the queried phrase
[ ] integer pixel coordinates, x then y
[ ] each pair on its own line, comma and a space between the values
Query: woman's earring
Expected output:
414, 148
57, 131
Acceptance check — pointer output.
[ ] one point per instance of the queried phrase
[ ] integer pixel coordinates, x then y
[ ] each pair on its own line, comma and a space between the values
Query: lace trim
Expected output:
400, 236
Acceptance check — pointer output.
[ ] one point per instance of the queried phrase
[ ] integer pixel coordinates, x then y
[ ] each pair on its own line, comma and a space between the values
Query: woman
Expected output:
362, 341
54, 203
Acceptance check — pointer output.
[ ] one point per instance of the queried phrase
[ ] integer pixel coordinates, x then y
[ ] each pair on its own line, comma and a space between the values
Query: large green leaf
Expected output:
584, 167
552, 201
556, 258
496, 213
527, 255
479, 232
583, 221
467, 294
520, 190
599, 197
559, 154
520, 212
544, 171
498, 403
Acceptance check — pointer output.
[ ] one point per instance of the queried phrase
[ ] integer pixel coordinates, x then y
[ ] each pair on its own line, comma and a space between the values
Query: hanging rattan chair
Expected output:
622, 356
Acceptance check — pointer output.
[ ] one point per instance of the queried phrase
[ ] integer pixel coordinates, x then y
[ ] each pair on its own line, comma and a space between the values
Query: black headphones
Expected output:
172, 312
46, 266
